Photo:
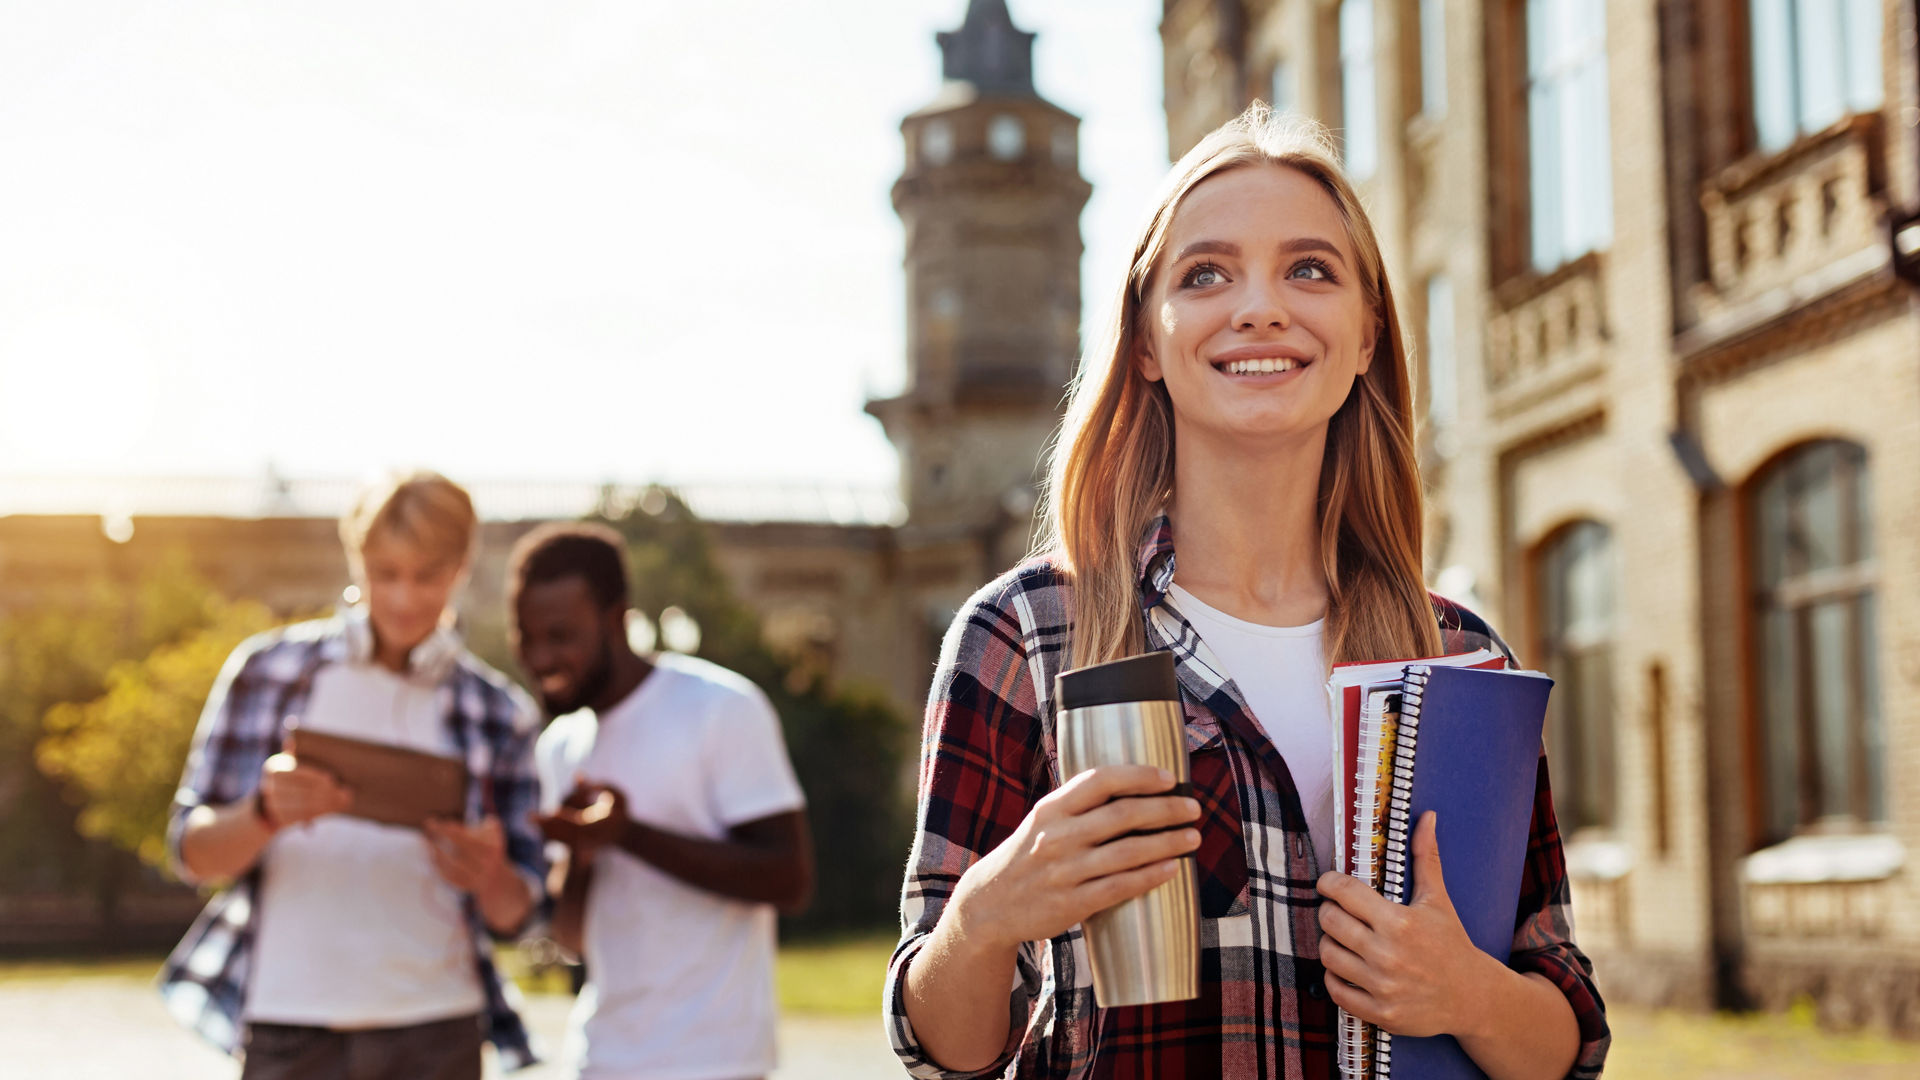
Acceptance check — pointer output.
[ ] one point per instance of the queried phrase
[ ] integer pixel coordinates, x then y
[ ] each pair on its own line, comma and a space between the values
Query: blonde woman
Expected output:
348, 948
1249, 405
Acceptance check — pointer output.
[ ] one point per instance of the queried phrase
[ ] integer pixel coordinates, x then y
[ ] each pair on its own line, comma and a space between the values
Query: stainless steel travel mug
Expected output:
1127, 712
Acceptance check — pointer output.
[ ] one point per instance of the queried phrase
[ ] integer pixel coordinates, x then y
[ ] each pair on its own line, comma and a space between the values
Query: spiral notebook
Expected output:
1463, 740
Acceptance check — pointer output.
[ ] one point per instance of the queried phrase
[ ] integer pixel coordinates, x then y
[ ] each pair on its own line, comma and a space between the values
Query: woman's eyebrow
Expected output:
1300, 245
1208, 247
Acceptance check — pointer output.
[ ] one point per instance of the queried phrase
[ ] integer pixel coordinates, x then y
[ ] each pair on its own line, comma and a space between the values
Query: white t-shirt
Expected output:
1282, 674
356, 929
680, 979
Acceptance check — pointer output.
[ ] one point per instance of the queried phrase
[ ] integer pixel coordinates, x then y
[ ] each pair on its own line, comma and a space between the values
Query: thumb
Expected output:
1429, 886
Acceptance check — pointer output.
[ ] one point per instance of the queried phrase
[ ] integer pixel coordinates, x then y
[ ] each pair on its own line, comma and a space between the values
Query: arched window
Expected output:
1810, 527
936, 142
1576, 589
1006, 137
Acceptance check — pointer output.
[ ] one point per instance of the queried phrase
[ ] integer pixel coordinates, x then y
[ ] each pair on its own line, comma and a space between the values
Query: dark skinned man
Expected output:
667, 781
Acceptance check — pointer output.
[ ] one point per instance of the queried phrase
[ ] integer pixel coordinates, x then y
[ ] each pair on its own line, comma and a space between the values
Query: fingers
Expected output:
1135, 814
1429, 886
1362, 903
1355, 1000
1102, 893
1345, 963
603, 807
480, 838
1095, 786
1341, 926
458, 872
296, 793
1131, 852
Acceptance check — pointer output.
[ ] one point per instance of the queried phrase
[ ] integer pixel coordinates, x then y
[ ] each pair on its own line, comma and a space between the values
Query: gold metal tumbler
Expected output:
1147, 949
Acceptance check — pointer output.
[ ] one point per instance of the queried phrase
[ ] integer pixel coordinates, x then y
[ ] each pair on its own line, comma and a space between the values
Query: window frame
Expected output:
1596, 736
1427, 50
1509, 81
1799, 595
1795, 40
1364, 70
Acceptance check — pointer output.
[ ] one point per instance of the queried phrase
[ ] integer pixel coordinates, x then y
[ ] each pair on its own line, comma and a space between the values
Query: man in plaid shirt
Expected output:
377, 950
988, 756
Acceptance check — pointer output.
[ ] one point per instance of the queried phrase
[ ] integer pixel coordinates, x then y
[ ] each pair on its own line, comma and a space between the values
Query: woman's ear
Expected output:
1144, 361
1366, 346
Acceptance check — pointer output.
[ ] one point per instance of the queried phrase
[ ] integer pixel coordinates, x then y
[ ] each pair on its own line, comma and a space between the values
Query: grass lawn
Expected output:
137, 968
843, 977
836, 978
1648, 1044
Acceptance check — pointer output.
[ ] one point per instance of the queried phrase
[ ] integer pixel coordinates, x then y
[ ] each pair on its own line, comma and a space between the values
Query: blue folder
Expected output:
1474, 740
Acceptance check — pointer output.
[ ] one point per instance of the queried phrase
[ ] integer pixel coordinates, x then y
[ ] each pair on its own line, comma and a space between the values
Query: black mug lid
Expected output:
1137, 678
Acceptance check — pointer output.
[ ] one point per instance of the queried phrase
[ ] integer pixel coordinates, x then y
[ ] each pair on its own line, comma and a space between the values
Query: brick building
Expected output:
1659, 261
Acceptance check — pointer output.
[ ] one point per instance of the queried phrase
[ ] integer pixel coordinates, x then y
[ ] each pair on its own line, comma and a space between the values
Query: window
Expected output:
1814, 61
1443, 399
1006, 137
936, 142
1811, 531
1570, 183
1282, 93
1576, 591
1358, 99
1433, 58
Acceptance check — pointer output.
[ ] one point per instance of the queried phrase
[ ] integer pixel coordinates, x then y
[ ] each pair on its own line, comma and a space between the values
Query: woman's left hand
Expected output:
1409, 968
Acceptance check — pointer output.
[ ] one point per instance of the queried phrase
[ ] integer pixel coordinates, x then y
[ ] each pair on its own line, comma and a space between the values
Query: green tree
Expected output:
65, 655
120, 753
848, 747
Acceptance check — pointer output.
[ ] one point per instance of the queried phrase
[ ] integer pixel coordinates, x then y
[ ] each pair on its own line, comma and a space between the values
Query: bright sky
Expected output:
628, 239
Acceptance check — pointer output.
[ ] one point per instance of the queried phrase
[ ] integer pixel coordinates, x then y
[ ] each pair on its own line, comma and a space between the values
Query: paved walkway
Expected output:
108, 1028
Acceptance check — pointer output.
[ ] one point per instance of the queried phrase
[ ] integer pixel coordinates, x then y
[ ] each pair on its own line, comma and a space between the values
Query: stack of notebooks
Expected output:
1459, 735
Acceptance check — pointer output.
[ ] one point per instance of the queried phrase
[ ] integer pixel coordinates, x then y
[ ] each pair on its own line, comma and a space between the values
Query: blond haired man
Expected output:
348, 949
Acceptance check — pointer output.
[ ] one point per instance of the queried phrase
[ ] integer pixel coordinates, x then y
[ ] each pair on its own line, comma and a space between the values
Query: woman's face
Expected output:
1257, 321
408, 589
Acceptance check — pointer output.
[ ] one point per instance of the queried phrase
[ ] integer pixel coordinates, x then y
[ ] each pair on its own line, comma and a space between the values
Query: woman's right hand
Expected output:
292, 793
1071, 857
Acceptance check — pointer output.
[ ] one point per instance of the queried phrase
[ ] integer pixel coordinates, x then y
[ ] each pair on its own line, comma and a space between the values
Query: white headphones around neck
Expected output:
432, 660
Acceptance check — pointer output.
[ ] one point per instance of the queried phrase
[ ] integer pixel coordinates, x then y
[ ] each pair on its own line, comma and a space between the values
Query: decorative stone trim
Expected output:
1597, 859
1815, 859
1790, 236
1546, 334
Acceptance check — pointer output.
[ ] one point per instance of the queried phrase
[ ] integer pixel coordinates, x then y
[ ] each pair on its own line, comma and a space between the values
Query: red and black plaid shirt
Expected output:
988, 755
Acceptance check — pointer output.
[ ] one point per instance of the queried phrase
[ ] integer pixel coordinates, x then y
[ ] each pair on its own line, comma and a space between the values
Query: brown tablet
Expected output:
391, 784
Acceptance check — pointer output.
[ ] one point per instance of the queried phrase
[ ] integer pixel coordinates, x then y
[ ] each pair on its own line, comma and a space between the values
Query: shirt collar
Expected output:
1155, 561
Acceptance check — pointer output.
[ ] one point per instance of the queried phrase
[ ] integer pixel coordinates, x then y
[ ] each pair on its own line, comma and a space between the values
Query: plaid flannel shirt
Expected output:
268, 679
988, 755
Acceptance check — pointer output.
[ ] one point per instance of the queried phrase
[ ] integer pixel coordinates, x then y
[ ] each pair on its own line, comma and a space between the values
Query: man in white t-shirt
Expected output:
667, 781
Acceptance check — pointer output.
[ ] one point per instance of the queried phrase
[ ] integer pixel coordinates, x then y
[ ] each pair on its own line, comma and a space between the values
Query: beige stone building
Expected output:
1660, 260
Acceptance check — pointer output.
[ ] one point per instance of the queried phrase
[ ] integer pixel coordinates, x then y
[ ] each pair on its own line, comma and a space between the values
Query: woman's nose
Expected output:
1261, 307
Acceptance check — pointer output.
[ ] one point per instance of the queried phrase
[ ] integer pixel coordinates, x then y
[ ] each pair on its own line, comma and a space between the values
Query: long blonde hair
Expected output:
1111, 468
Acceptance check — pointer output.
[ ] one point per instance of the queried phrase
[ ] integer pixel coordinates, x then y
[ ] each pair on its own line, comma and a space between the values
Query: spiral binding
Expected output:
1399, 806
1358, 1038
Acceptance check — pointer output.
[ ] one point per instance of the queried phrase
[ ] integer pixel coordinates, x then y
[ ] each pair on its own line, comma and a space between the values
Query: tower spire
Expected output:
989, 51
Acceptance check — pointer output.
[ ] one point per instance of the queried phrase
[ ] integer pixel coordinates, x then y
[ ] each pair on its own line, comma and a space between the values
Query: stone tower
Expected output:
991, 201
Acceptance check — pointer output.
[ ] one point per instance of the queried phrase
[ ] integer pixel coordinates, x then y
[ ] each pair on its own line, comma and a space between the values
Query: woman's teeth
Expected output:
1268, 366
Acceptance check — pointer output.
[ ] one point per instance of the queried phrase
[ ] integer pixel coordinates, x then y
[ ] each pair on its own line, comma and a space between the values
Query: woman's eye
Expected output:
1311, 270
1202, 276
